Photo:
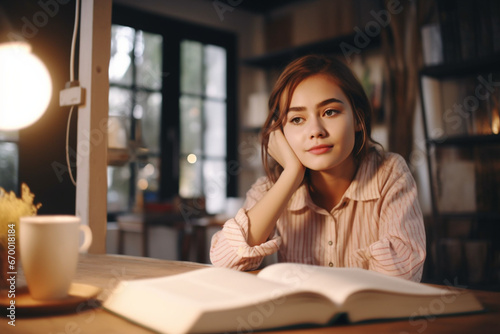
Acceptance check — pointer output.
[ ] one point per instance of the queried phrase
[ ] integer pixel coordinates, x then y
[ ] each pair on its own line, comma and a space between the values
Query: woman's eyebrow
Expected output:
319, 105
328, 101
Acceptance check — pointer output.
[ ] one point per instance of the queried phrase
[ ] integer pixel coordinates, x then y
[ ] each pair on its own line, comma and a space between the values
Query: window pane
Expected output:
215, 71
118, 188
215, 185
120, 101
9, 157
215, 129
150, 106
122, 42
191, 67
148, 59
191, 125
190, 178
118, 132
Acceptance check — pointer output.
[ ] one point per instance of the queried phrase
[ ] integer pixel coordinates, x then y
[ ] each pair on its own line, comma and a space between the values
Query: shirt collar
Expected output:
364, 187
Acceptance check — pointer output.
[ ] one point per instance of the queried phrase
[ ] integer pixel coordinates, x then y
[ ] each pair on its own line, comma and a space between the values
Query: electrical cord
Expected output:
72, 78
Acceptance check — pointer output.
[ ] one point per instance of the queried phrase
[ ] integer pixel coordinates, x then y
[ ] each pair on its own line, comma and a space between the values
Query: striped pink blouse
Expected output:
377, 225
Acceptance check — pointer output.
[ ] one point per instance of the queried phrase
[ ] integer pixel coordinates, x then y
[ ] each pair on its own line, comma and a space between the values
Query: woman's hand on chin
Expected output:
281, 151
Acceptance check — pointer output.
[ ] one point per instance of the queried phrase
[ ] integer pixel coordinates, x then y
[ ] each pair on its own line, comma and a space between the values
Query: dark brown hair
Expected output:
291, 77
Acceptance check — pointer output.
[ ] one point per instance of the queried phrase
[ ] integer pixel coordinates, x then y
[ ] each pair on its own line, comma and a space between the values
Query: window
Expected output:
172, 96
203, 123
135, 102
9, 160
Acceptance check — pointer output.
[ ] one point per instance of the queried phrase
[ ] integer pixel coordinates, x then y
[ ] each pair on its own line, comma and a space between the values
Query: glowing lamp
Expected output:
25, 86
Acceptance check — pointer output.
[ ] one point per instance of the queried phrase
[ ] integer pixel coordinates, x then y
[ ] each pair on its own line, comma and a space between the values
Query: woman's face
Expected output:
320, 125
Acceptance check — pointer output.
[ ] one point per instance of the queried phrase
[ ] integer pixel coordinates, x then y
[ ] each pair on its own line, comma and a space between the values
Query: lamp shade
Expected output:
25, 86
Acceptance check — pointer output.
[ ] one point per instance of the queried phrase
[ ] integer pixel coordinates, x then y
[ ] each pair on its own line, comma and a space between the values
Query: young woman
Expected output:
331, 196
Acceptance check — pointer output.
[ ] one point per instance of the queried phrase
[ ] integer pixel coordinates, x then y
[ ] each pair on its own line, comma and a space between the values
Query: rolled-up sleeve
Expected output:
401, 247
229, 247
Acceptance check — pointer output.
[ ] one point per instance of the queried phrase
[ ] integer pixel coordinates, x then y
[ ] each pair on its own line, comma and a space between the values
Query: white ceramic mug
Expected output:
49, 247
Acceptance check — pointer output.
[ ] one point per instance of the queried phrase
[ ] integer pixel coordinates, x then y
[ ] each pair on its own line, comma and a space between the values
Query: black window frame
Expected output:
174, 31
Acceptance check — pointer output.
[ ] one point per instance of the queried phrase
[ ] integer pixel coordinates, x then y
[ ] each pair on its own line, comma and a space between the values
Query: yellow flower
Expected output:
11, 207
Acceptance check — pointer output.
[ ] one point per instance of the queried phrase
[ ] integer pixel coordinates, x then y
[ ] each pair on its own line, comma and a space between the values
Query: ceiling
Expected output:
258, 6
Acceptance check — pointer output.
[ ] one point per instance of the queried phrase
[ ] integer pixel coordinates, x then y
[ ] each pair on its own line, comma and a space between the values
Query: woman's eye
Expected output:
331, 112
296, 120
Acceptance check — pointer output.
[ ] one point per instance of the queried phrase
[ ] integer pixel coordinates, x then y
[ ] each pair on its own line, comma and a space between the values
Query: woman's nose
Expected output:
317, 129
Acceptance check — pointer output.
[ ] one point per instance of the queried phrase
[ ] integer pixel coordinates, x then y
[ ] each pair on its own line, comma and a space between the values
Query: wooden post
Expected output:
91, 189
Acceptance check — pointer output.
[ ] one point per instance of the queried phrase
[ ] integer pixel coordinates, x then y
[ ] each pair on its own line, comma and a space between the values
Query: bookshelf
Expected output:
460, 98
280, 58
460, 109
463, 68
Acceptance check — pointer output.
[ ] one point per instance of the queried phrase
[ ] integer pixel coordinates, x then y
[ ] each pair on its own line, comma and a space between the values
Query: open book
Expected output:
281, 295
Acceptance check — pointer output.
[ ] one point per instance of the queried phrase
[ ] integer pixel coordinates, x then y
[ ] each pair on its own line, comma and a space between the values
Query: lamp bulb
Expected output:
25, 86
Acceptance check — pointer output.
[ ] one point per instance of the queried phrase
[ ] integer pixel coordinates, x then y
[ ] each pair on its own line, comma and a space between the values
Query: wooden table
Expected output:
105, 271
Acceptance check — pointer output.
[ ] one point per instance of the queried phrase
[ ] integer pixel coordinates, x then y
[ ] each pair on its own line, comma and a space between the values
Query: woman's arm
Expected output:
246, 239
229, 247
263, 216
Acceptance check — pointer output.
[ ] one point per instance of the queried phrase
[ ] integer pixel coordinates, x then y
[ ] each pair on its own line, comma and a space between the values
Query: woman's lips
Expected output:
320, 149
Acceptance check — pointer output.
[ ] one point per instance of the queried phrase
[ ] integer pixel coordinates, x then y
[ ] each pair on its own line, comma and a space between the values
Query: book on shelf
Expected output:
455, 176
487, 178
450, 33
467, 18
469, 29
432, 44
484, 29
432, 106
495, 25
459, 107
281, 295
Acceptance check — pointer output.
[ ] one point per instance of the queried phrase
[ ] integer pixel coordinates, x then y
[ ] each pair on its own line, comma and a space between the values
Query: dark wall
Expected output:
47, 25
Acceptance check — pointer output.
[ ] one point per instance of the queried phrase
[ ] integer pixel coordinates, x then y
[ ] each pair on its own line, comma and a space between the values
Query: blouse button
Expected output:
330, 264
330, 242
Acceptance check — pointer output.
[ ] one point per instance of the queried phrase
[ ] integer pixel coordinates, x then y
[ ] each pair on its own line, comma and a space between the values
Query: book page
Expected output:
339, 283
218, 288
